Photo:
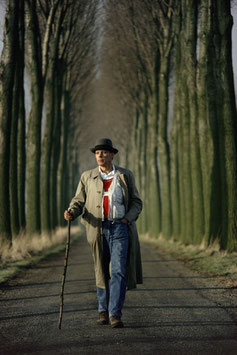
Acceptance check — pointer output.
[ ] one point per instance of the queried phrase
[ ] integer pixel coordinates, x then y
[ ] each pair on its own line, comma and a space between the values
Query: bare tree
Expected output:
7, 71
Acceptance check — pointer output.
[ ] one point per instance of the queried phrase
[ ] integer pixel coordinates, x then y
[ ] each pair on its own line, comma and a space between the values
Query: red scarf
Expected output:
106, 185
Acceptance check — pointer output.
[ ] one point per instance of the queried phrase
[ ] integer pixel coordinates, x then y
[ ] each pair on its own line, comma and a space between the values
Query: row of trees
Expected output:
174, 68
51, 42
171, 61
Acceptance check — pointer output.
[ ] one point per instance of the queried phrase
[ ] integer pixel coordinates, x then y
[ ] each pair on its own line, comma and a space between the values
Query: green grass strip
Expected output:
209, 260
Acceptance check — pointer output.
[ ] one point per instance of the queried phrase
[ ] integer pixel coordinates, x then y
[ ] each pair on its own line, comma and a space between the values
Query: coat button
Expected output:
98, 206
99, 192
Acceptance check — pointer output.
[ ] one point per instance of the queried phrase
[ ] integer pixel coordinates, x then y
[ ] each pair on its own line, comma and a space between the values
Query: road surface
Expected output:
175, 311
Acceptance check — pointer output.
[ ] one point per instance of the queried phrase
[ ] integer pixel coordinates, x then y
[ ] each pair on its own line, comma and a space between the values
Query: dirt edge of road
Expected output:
209, 261
12, 269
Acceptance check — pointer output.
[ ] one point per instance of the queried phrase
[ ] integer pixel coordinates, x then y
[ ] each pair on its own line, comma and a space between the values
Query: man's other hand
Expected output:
124, 220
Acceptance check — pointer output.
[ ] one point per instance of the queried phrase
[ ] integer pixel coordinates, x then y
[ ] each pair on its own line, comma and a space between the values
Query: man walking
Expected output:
109, 203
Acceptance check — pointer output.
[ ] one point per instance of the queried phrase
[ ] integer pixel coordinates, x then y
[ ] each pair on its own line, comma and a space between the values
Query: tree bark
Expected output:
226, 111
17, 139
62, 166
175, 153
47, 150
21, 151
33, 150
208, 128
15, 227
163, 146
152, 175
7, 70
143, 167
186, 206
55, 153
191, 68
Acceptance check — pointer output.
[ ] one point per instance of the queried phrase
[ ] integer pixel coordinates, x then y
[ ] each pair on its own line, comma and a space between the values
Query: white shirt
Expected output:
115, 195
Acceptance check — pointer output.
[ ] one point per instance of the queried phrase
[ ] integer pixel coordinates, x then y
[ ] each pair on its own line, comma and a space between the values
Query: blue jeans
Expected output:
115, 249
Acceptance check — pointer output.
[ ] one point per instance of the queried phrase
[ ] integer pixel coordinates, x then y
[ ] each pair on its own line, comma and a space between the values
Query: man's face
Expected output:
104, 157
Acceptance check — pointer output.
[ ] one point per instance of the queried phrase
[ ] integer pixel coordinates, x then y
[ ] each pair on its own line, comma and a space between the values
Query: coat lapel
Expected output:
124, 186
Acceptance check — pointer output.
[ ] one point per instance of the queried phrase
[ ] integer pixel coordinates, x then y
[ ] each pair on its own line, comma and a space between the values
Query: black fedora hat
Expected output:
104, 144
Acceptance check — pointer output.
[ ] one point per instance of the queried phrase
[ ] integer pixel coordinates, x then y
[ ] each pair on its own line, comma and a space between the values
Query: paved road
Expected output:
175, 311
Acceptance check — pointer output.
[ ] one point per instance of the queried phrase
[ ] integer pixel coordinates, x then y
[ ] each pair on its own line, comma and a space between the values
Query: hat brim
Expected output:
104, 147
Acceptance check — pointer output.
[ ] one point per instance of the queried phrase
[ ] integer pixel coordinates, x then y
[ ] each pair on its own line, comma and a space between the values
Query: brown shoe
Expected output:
116, 322
103, 318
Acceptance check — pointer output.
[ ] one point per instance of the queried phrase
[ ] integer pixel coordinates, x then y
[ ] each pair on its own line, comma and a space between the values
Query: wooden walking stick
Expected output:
64, 271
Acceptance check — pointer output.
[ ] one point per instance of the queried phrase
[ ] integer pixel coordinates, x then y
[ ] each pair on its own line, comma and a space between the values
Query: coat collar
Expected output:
96, 172
119, 170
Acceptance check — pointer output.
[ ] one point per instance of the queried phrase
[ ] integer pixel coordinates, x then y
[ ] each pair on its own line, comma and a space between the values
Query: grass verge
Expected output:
209, 261
11, 267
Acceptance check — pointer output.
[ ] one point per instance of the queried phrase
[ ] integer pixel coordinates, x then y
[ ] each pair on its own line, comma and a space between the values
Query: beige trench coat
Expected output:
88, 202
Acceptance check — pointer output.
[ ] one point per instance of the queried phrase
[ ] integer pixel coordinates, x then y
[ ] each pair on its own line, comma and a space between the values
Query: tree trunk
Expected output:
62, 166
13, 152
208, 130
190, 71
17, 160
185, 181
226, 124
21, 153
163, 147
21, 158
33, 151
55, 153
174, 173
7, 70
143, 168
152, 176
175, 154
47, 150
